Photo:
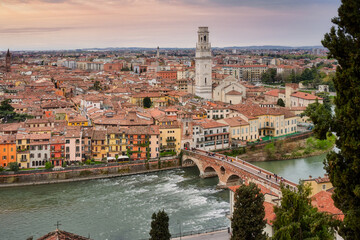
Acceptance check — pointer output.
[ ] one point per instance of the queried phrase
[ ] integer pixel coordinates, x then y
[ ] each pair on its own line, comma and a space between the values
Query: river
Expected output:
121, 208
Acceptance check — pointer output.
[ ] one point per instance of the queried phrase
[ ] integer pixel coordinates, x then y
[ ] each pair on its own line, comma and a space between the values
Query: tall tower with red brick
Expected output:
8, 61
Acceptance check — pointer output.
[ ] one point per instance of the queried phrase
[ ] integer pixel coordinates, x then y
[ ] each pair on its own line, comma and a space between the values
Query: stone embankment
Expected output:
81, 173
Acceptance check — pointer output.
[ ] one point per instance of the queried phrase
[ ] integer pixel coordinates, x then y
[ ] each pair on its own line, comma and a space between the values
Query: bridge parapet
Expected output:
227, 168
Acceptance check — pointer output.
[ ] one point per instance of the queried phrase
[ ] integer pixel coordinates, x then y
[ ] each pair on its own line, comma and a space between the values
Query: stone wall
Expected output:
84, 173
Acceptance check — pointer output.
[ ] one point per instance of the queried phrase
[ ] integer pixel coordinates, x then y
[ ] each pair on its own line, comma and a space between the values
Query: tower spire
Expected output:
8, 61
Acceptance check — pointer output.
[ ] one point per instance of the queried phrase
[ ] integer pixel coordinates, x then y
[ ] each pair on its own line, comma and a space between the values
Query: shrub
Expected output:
270, 150
14, 166
48, 165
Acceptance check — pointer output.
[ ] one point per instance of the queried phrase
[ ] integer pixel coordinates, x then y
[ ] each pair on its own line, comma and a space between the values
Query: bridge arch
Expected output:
234, 180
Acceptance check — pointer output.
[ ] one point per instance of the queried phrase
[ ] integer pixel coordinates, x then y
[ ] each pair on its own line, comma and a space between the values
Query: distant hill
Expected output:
268, 47
265, 47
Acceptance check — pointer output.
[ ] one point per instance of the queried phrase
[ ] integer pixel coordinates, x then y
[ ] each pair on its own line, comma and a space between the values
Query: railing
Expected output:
246, 164
196, 232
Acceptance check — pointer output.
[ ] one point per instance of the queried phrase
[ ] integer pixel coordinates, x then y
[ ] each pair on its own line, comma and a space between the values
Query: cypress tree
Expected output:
248, 218
160, 226
343, 167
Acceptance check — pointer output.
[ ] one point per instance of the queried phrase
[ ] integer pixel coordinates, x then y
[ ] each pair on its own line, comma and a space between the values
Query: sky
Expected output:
72, 24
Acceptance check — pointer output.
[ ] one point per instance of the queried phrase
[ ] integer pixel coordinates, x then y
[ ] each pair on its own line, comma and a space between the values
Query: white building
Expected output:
203, 65
211, 135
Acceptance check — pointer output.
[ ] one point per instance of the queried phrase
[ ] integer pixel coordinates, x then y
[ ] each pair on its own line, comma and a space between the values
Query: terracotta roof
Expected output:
234, 92
213, 124
62, 235
269, 213
306, 96
235, 121
274, 92
324, 203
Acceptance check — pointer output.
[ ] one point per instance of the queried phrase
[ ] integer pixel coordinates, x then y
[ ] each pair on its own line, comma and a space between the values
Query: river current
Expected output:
121, 208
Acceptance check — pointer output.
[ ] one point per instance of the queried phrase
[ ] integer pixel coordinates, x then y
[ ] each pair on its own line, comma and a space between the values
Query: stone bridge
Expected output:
232, 171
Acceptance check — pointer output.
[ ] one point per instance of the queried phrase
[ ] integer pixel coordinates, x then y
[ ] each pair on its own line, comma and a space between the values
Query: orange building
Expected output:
167, 74
7, 150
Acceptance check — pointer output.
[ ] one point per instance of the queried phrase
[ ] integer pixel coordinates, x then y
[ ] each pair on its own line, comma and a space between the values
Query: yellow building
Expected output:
157, 99
170, 137
116, 140
77, 120
99, 145
318, 184
272, 122
23, 150
239, 128
170, 133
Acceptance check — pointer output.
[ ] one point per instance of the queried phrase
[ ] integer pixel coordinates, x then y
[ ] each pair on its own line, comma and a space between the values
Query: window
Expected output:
39, 155
67, 141
78, 149
323, 186
67, 149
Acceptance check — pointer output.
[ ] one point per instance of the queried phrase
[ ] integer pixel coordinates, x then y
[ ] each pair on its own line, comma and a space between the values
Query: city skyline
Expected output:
73, 24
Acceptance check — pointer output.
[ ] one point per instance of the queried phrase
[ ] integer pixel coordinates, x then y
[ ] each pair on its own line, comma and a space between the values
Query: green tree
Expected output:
147, 102
297, 219
160, 226
280, 102
248, 219
7, 114
97, 86
13, 166
269, 76
321, 118
343, 42
48, 165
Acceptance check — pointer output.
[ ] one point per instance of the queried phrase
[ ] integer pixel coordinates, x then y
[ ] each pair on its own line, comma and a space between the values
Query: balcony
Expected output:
171, 140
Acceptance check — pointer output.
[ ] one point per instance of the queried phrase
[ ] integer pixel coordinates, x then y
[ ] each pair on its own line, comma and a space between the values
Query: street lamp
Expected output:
179, 222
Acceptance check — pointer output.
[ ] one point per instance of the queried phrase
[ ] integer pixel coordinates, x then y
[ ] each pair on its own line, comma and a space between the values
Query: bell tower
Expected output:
8, 61
203, 65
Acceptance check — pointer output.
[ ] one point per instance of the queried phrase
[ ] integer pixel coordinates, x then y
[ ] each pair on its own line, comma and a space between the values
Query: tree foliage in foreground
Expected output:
343, 42
7, 114
297, 219
160, 226
248, 218
321, 117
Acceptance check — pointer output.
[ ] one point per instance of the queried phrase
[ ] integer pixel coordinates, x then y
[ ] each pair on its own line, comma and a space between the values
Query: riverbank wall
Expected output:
261, 145
81, 173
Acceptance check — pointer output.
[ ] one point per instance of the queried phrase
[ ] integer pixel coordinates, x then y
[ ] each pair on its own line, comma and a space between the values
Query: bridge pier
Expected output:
208, 174
221, 185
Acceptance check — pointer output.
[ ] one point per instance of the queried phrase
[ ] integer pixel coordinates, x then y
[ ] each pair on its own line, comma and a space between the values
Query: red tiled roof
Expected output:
306, 96
269, 213
324, 203
233, 92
